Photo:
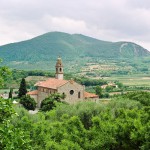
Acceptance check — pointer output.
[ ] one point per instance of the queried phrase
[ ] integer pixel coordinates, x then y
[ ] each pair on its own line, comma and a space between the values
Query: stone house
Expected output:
73, 91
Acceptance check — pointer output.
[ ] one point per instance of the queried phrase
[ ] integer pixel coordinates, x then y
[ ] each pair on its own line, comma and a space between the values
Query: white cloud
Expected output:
63, 24
112, 20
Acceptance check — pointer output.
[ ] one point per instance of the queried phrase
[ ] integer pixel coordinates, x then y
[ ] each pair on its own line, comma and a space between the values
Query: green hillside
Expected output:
47, 47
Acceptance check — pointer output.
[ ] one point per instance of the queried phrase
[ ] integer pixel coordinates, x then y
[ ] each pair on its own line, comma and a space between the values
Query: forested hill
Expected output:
50, 45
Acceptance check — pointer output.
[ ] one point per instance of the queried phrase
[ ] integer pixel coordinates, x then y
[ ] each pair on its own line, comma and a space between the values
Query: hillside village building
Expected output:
73, 91
113, 85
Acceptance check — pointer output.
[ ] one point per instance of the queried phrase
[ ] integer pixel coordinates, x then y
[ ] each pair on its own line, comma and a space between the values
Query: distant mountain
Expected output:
50, 45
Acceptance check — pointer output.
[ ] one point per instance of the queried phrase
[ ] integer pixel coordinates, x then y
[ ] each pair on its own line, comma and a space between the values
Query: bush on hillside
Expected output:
28, 102
140, 96
50, 102
11, 138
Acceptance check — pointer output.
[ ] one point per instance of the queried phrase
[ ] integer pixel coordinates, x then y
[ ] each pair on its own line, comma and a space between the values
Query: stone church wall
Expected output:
34, 97
74, 92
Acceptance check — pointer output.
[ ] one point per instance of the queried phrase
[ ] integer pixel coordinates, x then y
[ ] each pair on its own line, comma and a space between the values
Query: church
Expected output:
74, 92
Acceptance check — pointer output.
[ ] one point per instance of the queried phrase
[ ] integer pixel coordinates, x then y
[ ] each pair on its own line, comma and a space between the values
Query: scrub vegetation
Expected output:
123, 123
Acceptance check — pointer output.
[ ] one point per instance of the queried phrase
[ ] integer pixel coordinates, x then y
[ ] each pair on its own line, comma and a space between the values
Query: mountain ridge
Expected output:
50, 45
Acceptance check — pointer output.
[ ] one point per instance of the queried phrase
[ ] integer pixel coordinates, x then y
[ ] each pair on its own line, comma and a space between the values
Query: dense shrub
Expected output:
121, 124
140, 96
90, 82
11, 138
28, 102
50, 102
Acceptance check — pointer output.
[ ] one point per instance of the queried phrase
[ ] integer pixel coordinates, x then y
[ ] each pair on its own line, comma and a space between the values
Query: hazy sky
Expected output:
110, 20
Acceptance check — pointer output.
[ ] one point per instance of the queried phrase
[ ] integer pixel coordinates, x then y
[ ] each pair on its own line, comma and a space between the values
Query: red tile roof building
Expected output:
74, 92
90, 95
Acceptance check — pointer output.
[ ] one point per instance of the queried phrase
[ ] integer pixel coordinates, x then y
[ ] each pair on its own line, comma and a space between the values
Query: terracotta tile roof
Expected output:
33, 92
51, 83
90, 95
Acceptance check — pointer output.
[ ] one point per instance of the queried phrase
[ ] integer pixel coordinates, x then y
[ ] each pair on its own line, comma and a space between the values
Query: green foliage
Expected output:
28, 102
132, 128
120, 85
5, 73
84, 110
69, 46
17, 74
11, 138
50, 102
90, 82
6, 109
142, 97
98, 91
22, 88
121, 124
109, 88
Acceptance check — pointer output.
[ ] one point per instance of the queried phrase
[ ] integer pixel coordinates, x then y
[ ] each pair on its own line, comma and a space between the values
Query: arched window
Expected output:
60, 69
79, 95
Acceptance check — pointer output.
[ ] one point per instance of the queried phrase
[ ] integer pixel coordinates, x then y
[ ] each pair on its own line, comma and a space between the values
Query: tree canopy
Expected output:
5, 73
28, 102
22, 88
51, 101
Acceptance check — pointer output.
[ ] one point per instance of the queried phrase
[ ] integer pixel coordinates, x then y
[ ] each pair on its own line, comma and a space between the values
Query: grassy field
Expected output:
131, 80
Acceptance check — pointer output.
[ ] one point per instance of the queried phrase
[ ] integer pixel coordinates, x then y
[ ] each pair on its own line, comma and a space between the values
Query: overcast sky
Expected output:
110, 20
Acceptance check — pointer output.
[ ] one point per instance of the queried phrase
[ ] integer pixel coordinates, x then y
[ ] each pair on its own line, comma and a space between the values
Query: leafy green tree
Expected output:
106, 95
11, 138
4, 74
28, 102
6, 109
132, 129
84, 110
123, 123
109, 88
102, 133
98, 91
50, 102
22, 88
120, 85
140, 96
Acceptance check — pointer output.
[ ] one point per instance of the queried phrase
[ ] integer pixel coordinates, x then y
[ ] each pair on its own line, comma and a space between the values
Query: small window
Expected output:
79, 95
71, 92
60, 69
63, 95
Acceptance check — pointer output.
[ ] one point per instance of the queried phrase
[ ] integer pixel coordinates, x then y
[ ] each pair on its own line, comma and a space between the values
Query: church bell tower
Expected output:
59, 69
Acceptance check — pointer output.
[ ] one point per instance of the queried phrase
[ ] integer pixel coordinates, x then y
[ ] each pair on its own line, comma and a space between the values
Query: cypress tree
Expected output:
22, 88
10, 93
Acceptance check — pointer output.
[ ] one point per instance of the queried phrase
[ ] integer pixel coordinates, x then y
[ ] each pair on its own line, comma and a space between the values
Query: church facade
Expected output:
73, 91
